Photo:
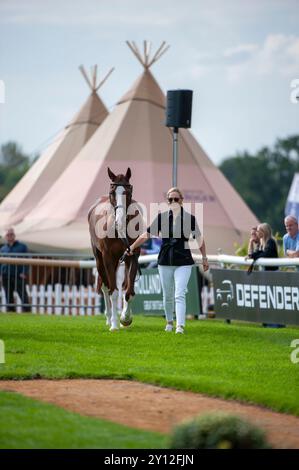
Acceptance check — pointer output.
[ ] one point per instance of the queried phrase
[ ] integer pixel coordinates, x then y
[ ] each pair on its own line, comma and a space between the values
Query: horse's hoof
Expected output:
113, 329
126, 321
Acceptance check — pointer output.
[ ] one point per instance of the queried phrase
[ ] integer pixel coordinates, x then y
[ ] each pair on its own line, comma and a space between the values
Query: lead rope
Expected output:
122, 258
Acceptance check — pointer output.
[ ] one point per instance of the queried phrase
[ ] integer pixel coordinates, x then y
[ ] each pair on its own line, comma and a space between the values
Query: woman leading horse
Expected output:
175, 260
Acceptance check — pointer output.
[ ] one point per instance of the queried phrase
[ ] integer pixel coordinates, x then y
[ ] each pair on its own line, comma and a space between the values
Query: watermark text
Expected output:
294, 96
2, 92
295, 353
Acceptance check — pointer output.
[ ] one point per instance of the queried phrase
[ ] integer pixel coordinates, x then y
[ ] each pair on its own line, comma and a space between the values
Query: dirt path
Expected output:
149, 407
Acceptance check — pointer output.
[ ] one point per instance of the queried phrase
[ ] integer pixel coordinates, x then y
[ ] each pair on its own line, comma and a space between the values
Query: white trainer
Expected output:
180, 330
168, 327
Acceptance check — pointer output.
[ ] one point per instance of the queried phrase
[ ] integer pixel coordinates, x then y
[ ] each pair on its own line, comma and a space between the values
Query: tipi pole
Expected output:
175, 157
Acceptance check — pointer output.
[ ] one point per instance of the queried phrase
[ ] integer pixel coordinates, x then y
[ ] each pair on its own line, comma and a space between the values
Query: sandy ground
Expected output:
149, 407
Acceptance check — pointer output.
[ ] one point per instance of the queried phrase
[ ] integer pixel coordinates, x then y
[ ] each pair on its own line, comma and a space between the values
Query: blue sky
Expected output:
239, 57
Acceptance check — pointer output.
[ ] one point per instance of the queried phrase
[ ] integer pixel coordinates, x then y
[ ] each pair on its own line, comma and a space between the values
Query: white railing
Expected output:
230, 259
72, 300
144, 259
241, 261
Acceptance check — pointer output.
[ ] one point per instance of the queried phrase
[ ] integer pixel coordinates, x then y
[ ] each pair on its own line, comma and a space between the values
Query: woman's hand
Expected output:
205, 264
129, 251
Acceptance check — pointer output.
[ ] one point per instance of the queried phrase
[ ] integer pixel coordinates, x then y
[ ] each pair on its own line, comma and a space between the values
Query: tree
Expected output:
13, 165
264, 179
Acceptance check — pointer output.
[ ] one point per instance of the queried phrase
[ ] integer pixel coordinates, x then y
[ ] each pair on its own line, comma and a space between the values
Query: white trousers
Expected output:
174, 281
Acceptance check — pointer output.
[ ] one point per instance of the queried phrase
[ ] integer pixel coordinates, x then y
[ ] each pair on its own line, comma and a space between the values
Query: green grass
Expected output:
237, 361
26, 424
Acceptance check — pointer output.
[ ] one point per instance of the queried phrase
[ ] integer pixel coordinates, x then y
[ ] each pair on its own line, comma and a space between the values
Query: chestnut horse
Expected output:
114, 223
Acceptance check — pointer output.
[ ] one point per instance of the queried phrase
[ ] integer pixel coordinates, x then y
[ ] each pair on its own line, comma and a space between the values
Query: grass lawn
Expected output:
237, 361
26, 423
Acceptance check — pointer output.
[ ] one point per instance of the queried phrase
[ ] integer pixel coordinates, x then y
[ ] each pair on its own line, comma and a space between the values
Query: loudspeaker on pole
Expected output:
179, 108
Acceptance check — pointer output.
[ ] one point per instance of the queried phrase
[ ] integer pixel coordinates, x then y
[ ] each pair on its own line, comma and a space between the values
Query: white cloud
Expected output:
198, 71
241, 48
279, 55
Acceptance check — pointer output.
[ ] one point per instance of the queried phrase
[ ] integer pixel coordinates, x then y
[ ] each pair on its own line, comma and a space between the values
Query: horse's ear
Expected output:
112, 176
128, 174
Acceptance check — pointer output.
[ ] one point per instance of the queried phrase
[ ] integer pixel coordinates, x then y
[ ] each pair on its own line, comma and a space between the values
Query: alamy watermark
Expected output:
295, 353
2, 92
294, 96
2, 352
133, 220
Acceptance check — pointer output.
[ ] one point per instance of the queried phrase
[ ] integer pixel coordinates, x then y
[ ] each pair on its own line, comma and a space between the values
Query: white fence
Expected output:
58, 300
73, 300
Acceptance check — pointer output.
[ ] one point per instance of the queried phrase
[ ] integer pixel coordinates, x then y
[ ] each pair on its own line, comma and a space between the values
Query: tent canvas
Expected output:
134, 135
57, 156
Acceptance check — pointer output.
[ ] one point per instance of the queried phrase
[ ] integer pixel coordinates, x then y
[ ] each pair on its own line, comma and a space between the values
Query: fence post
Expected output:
74, 301
66, 300
42, 299
58, 299
82, 300
49, 299
34, 298
3, 300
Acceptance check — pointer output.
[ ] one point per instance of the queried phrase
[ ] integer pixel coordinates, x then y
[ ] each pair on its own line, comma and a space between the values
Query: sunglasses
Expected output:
173, 199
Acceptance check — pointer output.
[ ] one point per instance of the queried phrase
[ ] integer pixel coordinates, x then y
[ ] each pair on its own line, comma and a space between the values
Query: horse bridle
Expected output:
125, 240
112, 190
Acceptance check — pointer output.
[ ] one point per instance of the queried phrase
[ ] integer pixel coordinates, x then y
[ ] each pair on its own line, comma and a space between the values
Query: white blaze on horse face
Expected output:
120, 213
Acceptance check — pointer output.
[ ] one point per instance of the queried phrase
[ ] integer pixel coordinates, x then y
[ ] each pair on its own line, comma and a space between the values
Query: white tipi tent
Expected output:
56, 158
134, 135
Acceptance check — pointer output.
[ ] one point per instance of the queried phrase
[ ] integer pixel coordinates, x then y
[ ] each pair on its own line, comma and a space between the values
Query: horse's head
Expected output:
120, 196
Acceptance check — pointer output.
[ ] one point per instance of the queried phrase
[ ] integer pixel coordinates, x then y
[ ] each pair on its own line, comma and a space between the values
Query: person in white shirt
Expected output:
291, 238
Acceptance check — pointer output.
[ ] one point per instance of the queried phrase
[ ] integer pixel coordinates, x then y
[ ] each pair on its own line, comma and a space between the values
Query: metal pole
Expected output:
175, 157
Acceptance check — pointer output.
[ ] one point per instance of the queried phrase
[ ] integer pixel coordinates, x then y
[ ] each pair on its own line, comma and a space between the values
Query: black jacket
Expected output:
270, 251
174, 249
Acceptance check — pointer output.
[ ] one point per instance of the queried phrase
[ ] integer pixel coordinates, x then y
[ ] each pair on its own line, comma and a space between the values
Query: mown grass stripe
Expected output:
239, 361
30, 424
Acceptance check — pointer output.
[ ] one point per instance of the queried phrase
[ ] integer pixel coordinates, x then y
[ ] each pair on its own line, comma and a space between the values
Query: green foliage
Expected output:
14, 164
241, 250
30, 424
264, 179
218, 431
230, 361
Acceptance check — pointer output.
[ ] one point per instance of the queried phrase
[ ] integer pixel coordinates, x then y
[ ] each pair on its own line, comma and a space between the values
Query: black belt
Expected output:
168, 248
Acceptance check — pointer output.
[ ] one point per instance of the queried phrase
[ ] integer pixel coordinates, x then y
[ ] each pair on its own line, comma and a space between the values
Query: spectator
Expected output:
291, 238
13, 277
268, 246
254, 241
268, 249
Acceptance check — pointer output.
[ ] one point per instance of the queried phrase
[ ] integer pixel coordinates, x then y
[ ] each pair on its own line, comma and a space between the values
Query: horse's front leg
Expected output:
131, 271
126, 314
120, 276
114, 313
108, 312
110, 267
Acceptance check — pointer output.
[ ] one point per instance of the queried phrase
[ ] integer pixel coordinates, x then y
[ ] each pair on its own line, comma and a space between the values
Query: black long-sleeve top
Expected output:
270, 251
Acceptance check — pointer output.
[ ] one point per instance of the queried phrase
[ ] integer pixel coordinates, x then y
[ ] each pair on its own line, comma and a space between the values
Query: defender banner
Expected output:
262, 296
